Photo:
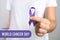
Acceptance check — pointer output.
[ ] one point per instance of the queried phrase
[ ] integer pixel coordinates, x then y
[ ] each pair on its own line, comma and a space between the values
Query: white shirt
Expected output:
20, 14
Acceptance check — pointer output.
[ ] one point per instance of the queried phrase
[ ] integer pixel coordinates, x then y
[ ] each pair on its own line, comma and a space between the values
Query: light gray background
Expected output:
4, 15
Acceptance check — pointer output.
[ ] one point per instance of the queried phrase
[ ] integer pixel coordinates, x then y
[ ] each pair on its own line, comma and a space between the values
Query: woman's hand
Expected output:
42, 26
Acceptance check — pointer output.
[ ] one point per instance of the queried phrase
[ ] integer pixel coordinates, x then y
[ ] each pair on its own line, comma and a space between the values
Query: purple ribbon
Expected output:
32, 14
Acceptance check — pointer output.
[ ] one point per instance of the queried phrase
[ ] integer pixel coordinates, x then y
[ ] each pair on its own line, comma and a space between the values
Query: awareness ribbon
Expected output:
32, 12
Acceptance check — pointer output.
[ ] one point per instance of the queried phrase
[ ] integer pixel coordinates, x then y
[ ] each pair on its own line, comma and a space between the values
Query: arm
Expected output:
50, 14
8, 22
47, 24
8, 7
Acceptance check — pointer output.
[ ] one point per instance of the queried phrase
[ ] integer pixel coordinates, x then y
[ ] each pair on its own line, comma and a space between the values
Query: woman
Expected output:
19, 17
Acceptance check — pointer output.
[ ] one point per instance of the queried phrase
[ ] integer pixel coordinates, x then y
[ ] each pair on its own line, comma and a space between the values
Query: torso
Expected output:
20, 15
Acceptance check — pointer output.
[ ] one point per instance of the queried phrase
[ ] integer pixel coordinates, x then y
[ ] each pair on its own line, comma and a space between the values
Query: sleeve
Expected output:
51, 3
8, 4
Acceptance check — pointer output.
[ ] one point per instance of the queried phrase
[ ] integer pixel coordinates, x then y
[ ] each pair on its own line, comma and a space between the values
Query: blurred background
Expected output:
55, 35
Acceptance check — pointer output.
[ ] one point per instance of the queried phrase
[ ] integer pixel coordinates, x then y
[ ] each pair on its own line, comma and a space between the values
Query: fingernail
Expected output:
40, 34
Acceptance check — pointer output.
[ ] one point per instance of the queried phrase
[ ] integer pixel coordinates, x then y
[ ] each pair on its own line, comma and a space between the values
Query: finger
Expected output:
39, 34
37, 27
42, 31
36, 19
44, 26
